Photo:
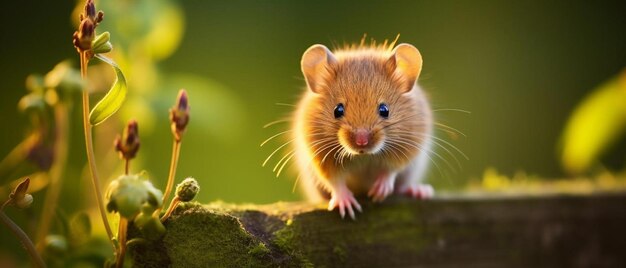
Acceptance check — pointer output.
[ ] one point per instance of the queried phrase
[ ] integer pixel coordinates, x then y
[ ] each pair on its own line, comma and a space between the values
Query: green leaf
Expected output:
113, 100
80, 229
595, 125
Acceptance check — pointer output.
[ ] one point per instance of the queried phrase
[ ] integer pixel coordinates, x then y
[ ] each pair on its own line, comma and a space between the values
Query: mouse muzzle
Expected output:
362, 137
358, 141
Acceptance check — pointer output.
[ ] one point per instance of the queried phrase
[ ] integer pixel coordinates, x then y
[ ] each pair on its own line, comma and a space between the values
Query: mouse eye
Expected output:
339, 110
383, 110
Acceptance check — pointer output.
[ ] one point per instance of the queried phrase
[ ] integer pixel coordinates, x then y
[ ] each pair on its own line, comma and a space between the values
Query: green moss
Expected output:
200, 237
218, 235
260, 250
338, 241
284, 241
340, 251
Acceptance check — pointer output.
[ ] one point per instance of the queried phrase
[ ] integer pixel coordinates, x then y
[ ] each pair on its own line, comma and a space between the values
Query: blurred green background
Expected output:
519, 67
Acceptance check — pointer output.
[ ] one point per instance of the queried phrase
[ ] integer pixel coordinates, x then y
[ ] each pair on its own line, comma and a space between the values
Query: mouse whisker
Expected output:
281, 160
401, 119
439, 170
317, 152
435, 142
452, 110
277, 149
274, 136
336, 147
285, 163
276, 122
396, 147
285, 104
449, 144
388, 152
415, 145
449, 128
330, 147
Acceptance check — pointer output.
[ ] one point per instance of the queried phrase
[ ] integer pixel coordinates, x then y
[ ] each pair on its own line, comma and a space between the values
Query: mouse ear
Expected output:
316, 66
406, 64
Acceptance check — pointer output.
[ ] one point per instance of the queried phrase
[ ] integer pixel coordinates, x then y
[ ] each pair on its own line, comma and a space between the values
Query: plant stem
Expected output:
121, 236
172, 173
60, 159
170, 209
84, 60
19, 233
126, 166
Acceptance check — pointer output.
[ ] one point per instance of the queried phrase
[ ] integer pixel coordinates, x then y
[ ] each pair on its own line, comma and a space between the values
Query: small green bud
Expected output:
101, 43
179, 115
187, 189
104, 48
19, 197
129, 193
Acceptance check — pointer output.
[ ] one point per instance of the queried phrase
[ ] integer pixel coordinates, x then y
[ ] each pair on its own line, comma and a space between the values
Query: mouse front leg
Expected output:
411, 184
383, 186
342, 198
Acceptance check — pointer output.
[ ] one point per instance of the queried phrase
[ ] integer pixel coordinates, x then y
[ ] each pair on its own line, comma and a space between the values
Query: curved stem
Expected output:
172, 173
19, 233
52, 195
121, 236
90, 151
170, 209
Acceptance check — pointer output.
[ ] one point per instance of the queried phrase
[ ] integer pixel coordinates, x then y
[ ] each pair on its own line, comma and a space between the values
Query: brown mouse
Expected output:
363, 126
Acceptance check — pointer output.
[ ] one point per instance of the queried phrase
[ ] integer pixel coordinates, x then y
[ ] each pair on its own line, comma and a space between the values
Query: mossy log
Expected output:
452, 231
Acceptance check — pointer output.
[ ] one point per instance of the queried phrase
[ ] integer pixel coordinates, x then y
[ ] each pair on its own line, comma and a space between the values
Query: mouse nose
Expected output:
361, 137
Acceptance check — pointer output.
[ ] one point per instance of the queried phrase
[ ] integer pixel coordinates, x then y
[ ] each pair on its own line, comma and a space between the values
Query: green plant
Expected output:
21, 199
595, 124
131, 196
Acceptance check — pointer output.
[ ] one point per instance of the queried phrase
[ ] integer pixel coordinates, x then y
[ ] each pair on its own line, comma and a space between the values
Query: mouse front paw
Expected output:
382, 187
418, 191
345, 201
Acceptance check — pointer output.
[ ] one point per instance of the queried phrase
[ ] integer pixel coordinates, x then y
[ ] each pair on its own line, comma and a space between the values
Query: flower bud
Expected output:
90, 10
128, 144
85, 35
179, 115
19, 197
187, 189
90, 13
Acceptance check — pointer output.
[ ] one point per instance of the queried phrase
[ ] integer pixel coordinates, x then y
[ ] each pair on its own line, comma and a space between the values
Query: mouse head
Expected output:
364, 97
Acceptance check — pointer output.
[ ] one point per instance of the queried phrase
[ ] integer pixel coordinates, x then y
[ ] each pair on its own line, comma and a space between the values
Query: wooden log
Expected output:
448, 231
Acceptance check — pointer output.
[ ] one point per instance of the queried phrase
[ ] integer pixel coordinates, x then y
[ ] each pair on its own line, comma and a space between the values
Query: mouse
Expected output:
363, 126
